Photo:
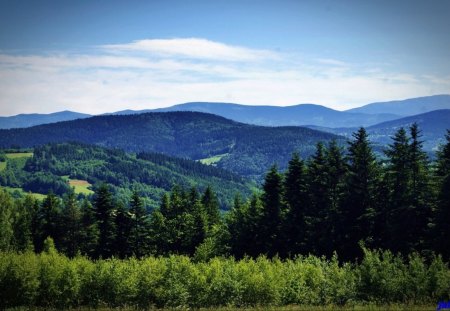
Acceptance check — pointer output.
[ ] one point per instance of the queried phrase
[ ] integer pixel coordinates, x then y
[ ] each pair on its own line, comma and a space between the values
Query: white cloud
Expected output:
157, 76
193, 48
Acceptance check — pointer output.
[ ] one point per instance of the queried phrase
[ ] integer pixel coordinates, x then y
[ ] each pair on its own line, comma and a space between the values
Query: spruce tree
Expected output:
272, 213
89, 230
296, 199
105, 214
123, 223
442, 215
48, 221
319, 201
71, 225
359, 209
139, 226
211, 207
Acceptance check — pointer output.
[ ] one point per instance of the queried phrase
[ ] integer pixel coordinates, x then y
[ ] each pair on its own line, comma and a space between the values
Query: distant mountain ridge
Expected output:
433, 126
27, 120
407, 107
297, 115
247, 150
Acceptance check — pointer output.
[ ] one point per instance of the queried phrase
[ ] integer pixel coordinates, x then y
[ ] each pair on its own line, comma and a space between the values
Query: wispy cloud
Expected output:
193, 48
156, 73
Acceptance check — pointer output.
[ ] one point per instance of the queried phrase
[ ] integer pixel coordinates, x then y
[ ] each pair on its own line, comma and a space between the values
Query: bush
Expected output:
53, 280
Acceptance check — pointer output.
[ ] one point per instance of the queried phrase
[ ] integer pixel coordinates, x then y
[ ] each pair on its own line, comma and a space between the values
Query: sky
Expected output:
97, 56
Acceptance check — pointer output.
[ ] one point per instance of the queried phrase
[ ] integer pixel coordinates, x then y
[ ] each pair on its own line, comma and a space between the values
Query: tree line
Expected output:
337, 201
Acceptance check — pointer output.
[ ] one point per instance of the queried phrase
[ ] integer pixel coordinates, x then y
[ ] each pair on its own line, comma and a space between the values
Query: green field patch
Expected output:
80, 186
2, 165
213, 160
22, 192
17, 155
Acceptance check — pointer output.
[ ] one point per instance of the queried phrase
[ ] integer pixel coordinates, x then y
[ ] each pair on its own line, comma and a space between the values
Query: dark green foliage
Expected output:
442, 216
410, 200
249, 149
90, 232
359, 206
150, 174
272, 213
140, 226
48, 219
105, 213
71, 225
296, 199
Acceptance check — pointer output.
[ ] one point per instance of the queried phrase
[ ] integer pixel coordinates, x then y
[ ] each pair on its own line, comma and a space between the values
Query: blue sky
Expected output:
96, 56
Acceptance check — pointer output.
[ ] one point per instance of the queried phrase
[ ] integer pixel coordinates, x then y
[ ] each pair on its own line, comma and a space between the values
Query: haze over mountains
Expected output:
303, 114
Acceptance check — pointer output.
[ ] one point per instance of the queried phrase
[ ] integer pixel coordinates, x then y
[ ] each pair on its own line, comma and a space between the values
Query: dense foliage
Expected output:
249, 150
52, 280
335, 202
152, 174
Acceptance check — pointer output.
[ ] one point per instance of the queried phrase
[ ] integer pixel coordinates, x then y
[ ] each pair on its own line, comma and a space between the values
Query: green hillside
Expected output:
57, 167
250, 149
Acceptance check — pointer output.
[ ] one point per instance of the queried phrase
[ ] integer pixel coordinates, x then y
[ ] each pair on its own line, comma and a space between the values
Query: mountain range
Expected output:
298, 115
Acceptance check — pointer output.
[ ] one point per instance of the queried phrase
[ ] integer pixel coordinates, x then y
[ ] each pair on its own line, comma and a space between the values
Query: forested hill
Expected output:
244, 149
53, 165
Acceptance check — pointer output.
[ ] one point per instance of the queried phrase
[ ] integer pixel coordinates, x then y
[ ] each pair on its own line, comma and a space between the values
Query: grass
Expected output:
38, 196
369, 307
2, 165
213, 160
16, 155
80, 186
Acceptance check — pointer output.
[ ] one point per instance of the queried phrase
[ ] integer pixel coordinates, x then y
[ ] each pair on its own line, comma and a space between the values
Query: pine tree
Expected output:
25, 212
123, 222
90, 233
105, 214
6, 221
48, 221
442, 215
359, 208
211, 207
333, 221
296, 198
71, 225
272, 213
139, 226
319, 201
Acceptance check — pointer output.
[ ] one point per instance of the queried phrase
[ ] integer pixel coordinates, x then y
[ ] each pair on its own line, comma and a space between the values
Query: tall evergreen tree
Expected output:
23, 223
211, 207
319, 201
442, 215
90, 233
272, 213
359, 209
296, 199
71, 225
333, 221
139, 226
123, 222
105, 214
48, 221
6, 221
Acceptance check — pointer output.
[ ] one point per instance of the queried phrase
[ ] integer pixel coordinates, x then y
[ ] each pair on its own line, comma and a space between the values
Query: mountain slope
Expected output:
151, 174
244, 149
27, 120
433, 125
406, 107
304, 114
